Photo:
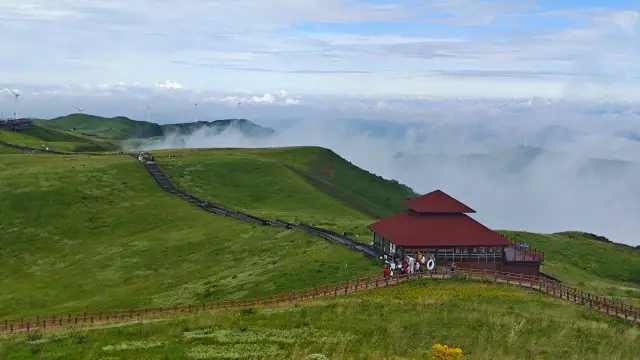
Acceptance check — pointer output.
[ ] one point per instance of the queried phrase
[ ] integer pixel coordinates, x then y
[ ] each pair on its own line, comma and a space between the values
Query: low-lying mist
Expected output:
554, 183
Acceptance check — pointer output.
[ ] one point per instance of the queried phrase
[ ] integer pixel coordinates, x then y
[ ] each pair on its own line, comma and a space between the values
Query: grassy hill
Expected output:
117, 128
309, 184
486, 321
591, 264
98, 233
37, 136
123, 128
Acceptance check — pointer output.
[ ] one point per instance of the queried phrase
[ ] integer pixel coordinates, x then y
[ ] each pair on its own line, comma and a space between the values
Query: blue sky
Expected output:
447, 48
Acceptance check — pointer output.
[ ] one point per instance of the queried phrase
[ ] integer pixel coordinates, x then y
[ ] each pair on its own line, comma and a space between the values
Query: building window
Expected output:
486, 253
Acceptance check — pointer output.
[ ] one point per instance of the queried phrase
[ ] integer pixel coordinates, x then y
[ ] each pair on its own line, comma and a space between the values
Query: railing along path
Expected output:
536, 283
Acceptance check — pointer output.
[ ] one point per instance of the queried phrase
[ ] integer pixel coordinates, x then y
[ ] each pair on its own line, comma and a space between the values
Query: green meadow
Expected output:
487, 321
88, 233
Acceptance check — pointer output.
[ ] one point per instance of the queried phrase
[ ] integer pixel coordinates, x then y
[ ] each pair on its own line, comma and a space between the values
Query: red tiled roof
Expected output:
437, 202
412, 229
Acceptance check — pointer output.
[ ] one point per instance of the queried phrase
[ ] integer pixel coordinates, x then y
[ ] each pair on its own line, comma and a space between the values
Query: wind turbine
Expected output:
148, 110
196, 106
80, 109
17, 95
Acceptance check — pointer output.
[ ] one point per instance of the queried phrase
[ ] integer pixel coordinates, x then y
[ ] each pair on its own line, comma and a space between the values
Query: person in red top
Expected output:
385, 272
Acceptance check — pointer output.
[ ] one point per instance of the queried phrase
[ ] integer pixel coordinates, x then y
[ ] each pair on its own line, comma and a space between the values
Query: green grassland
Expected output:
122, 128
117, 128
316, 186
487, 321
80, 232
37, 136
592, 265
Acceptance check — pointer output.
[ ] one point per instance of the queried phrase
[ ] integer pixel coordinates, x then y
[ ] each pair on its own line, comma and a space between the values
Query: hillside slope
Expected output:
37, 136
593, 265
123, 128
82, 233
486, 321
117, 128
309, 184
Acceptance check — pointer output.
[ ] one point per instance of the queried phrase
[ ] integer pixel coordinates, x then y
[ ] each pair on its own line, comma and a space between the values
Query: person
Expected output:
385, 272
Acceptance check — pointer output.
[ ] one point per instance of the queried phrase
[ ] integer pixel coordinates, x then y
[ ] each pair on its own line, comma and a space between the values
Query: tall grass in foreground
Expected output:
486, 321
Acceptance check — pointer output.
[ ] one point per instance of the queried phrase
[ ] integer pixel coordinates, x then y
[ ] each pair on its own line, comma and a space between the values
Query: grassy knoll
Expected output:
37, 136
87, 233
117, 128
597, 266
318, 186
487, 321
123, 128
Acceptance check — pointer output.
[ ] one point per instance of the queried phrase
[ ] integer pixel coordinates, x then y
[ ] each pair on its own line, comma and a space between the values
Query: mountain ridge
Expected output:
124, 128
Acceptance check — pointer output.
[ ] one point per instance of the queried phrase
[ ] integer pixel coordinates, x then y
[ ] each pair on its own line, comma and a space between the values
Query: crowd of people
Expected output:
408, 265
142, 156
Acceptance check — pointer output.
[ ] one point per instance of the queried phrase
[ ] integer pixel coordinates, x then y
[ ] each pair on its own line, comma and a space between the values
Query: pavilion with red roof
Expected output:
438, 225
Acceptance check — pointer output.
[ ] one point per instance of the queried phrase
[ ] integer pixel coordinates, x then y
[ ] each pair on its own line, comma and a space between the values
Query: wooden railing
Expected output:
523, 253
605, 305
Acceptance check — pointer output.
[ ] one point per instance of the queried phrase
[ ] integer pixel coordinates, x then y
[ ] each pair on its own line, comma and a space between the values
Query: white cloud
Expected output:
168, 84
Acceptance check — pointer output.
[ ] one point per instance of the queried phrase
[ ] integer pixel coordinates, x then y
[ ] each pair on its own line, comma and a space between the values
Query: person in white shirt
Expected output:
412, 266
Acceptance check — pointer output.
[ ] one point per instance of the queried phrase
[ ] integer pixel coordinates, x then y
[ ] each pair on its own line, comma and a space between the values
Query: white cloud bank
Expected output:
549, 194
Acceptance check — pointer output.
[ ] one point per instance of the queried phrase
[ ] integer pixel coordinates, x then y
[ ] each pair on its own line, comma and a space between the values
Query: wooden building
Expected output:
438, 225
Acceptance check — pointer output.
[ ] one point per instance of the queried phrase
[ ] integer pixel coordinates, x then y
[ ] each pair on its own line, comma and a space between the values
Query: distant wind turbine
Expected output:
80, 109
148, 110
196, 106
17, 95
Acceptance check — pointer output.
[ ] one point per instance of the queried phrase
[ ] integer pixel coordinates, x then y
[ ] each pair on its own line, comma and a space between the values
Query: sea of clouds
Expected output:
586, 178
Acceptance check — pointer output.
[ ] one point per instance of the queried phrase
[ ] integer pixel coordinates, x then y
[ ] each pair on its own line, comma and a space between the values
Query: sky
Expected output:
445, 48
468, 76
